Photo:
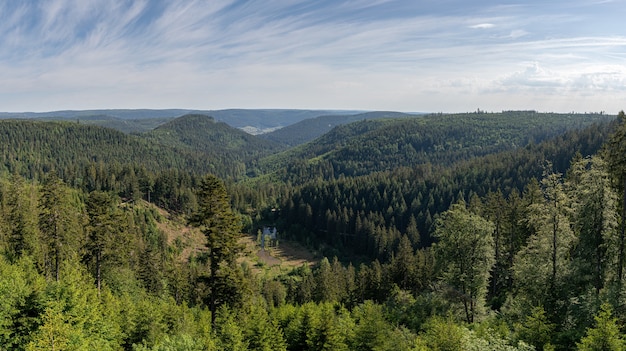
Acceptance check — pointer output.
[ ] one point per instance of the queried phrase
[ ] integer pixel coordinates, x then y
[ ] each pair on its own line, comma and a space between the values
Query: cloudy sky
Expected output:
402, 55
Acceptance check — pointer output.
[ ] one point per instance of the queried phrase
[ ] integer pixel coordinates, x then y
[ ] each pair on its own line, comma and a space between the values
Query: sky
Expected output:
400, 55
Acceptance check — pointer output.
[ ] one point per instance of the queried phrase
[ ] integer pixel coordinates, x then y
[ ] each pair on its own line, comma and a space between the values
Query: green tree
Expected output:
605, 335
105, 241
221, 228
542, 266
21, 219
596, 223
536, 329
465, 252
615, 151
59, 223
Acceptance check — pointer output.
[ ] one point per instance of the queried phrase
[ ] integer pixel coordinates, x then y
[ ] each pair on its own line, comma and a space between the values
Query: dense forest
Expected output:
476, 231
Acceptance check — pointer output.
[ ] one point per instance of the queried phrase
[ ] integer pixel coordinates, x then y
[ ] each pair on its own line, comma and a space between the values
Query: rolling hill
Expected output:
379, 145
312, 128
253, 120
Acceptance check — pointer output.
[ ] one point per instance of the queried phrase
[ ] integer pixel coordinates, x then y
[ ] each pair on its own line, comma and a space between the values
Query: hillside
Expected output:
379, 145
309, 129
31, 148
203, 133
381, 224
367, 214
257, 120
35, 146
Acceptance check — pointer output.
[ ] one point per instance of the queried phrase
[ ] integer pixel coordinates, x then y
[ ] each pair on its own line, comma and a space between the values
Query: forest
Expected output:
474, 231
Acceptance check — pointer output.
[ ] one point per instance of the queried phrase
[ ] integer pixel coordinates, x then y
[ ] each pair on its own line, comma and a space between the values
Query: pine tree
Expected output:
58, 222
596, 223
104, 232
221, 228
542, 266
615, 151
605, 336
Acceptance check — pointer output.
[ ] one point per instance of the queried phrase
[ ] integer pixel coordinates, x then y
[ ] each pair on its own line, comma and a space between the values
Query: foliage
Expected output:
465, 252
605, 335
454, 239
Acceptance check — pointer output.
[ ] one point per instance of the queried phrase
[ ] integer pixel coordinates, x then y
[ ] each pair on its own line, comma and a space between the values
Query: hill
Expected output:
379, 145
367, 214
253, 120
201, 133
161, 166
310, 129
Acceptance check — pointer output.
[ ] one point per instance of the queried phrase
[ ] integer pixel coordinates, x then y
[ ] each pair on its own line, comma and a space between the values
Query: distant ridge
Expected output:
252, 119
310, 129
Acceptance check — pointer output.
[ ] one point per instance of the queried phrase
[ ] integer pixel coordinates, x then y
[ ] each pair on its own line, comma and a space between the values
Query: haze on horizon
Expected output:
402, 55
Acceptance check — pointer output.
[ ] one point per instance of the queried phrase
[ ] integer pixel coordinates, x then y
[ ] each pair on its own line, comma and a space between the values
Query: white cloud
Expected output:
482, 26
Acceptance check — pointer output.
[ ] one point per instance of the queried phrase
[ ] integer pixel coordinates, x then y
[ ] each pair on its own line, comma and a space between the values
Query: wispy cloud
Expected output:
387, 54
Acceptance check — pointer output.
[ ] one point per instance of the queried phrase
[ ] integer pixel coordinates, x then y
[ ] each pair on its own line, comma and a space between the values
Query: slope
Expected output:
366, 215
201, 133
364, 147
257, 119
309, 129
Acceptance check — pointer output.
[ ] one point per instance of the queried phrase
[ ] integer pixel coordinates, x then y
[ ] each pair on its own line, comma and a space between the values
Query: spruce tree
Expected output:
215, 218
58, 222
615, 153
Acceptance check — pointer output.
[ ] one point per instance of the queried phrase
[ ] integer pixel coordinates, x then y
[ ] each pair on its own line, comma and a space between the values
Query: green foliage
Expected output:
605, 335
466, 255
377, 193
543, 266
60, 223
536, 329
221, 229
106, 239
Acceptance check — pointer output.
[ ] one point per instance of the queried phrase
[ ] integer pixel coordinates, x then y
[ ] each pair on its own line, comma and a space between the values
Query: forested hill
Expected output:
34, 147
257, 120
378, 145
309, 129
219, 140
367, 215
494, 232
31, 148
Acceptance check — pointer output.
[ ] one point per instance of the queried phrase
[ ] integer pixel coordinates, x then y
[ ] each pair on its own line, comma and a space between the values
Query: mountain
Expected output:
193, 144
201, 133
309, 129
33, 147
379, 145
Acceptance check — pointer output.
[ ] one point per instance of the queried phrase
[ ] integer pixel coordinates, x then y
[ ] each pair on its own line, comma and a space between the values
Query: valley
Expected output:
398, 231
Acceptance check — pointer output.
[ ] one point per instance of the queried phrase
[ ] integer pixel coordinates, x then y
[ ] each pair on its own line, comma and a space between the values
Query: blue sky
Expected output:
404, 55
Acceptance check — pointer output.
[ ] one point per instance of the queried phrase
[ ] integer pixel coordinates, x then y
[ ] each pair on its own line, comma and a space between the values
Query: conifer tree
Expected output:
542, 266
58, 222
104, 232
21, 219
596, 223
615, 151
221, 228
605, 336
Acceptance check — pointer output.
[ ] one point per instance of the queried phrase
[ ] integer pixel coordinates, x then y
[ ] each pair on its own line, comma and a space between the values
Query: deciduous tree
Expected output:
465, 252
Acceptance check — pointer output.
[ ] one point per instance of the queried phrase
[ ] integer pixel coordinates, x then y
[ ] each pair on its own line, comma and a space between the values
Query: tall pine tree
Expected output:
221, 228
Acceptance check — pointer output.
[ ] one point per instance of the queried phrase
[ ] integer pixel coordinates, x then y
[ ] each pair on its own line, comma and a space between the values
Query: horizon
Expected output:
191, 111
379, 55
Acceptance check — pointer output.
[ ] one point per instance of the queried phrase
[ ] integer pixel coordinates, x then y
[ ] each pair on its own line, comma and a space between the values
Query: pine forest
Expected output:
383, 231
